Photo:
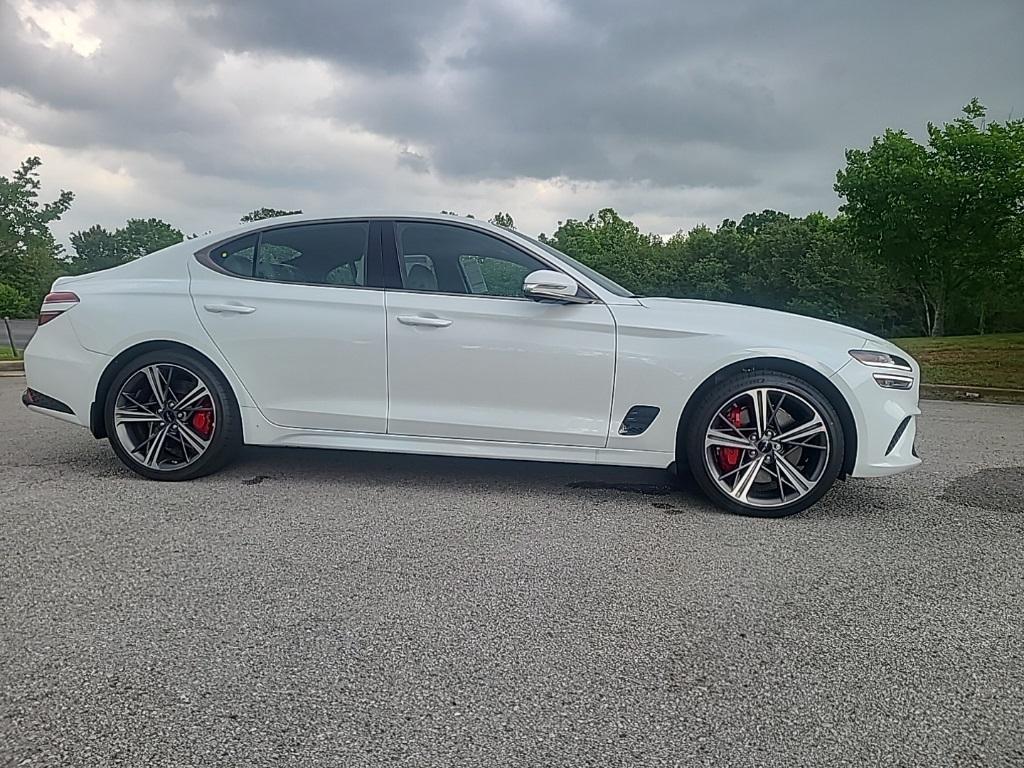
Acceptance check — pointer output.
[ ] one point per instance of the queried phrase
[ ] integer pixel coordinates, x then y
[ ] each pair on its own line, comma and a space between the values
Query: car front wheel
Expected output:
765, 444
172, 416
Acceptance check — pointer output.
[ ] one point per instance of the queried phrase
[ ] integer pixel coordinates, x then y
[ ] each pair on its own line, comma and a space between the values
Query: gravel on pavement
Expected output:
331, 608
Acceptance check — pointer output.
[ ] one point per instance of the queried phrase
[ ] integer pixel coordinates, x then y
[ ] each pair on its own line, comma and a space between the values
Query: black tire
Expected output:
226, 439
718, 397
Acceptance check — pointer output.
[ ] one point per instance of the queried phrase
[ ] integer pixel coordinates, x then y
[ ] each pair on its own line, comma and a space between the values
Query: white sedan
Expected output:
442, 335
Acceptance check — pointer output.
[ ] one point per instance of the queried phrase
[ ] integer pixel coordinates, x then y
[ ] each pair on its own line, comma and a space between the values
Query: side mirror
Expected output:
548, 285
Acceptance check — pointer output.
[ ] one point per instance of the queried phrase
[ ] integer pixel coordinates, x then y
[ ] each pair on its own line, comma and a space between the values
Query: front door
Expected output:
298, 313
470, 357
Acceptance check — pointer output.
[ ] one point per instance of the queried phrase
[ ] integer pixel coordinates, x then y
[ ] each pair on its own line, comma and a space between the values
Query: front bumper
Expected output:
886, 420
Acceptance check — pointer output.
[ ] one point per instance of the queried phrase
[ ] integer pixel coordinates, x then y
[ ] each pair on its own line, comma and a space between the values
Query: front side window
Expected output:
449, 259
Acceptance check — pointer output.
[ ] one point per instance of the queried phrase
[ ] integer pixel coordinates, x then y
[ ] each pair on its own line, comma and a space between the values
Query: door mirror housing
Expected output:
549, 285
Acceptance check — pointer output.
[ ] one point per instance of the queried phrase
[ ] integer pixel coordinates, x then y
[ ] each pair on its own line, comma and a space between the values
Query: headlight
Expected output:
880, 359
888, 378
893, 380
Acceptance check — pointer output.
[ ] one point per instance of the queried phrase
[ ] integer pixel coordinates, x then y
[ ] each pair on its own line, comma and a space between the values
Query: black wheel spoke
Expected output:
772, 420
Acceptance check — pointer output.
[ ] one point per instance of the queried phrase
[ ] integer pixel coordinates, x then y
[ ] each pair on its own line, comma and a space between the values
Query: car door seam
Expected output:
387, 365
615, 375
213, 342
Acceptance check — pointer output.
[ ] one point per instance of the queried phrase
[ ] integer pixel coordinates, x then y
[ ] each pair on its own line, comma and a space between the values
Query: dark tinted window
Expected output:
321, 254
450, 259
236, 257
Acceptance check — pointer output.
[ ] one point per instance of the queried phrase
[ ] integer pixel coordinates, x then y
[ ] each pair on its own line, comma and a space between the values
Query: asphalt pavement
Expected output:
315, 608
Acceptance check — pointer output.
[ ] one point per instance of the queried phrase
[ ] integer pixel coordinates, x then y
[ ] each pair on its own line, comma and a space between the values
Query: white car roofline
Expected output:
607, 297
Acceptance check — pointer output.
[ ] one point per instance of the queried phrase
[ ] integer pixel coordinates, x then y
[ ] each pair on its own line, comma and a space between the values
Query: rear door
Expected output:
470, 357
298, 313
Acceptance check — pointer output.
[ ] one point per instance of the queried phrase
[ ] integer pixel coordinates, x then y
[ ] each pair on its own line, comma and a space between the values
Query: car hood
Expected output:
695, 315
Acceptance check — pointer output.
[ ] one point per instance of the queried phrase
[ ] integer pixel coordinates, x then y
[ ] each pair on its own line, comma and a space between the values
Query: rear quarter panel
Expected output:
145, 300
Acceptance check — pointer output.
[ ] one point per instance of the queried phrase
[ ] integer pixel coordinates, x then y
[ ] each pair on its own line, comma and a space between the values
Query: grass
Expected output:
995, 360
5, 354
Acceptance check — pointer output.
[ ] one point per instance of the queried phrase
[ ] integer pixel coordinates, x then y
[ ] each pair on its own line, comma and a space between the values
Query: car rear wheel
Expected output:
765, 444
172, 416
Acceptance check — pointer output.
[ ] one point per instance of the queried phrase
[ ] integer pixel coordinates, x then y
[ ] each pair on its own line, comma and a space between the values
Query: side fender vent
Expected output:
638, 419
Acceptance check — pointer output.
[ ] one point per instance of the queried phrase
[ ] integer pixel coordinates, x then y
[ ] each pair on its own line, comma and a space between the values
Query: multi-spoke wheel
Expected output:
172, 417
765, 444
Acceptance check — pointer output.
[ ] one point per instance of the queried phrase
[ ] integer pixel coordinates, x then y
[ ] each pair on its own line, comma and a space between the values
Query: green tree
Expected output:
139, 237
97, 248
502, 219
942, 215
699, 271
13, 303
266, 213
768, 259
94, 249
992, 302
28, 253
810, 266
617, 248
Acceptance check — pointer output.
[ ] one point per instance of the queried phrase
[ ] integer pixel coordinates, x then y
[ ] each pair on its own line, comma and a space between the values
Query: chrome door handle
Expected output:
238, 309
429, 322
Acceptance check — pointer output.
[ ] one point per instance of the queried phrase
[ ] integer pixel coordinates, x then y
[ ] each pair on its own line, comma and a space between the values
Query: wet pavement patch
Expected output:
999, 490
646, 489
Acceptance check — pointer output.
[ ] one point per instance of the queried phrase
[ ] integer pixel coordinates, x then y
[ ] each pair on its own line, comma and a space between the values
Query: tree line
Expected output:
929, 240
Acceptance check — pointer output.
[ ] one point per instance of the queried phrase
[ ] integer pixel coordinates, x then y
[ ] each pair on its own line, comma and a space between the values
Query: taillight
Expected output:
56, 303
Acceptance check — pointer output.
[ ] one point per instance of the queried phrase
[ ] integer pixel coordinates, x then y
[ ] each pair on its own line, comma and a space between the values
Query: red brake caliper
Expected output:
202, 420
729, 458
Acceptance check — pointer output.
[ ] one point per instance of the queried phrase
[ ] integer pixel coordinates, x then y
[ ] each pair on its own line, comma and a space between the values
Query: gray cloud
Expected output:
374, 35
685, 94
648, 105
125, 95
413, 161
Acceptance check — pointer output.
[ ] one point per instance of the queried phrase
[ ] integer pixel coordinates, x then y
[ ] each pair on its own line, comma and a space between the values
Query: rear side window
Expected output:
236, 257
321, 254
314, 254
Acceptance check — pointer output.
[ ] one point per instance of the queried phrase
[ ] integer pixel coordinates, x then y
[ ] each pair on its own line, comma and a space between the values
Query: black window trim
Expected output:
393, 267
372, 268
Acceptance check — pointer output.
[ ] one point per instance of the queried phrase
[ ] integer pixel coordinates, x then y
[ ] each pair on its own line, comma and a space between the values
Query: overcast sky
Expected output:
673, 112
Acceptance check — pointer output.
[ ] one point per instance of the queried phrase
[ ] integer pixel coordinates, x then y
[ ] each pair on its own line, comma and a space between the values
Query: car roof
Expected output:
166, 260
334, 216
220, 236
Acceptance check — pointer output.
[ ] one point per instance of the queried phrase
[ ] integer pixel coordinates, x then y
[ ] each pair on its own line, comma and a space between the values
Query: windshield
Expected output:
609, 285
